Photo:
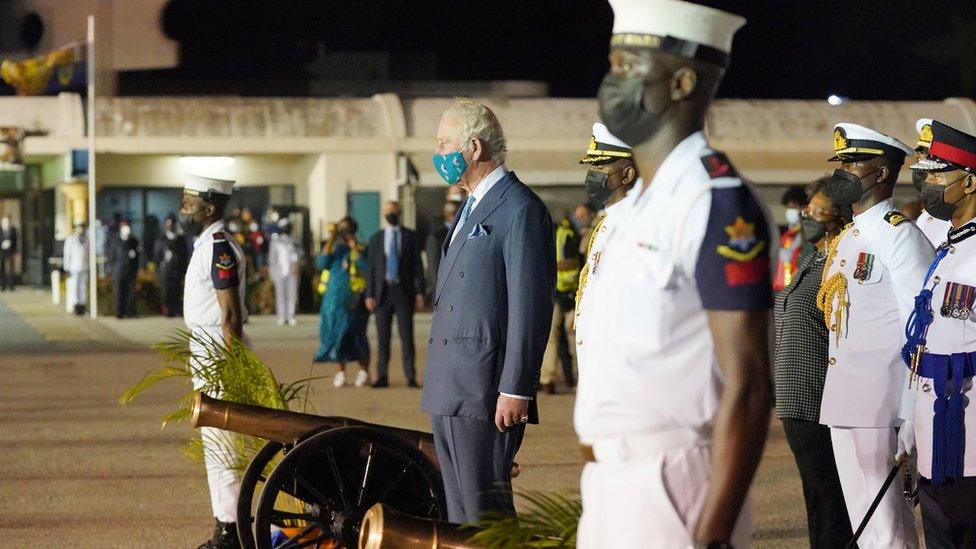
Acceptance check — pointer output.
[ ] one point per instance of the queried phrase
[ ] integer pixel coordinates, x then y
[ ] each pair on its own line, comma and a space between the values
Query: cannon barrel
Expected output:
384, 528
285, 426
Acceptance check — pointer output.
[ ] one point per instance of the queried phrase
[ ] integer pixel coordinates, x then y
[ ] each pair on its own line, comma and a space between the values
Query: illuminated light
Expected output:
834, 99
204, 162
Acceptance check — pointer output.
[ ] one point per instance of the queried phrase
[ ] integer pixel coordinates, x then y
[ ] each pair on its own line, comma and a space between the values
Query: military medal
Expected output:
957, 302
865, 262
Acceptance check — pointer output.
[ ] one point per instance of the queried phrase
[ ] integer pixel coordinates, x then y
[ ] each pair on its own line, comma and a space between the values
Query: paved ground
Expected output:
78, 470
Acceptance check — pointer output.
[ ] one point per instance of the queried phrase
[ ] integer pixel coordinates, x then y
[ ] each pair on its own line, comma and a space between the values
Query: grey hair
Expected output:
477, 121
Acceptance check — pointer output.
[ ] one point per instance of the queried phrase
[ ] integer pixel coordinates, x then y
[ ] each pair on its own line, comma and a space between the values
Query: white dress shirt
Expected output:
481, 190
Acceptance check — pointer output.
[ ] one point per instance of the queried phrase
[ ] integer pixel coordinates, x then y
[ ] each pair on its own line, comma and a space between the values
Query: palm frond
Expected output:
547, 520
217, 367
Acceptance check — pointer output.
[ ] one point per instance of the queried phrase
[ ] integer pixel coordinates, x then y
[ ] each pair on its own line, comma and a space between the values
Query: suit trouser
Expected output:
286, 295
476, 465
864, 457
125, 295
6, 271
650, 498
395, 300
218, 449
77, 289
827, 522
561, 345
948, 513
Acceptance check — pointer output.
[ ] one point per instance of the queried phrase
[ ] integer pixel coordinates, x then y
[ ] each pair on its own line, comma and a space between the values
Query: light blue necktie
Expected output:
468, 205
393, 258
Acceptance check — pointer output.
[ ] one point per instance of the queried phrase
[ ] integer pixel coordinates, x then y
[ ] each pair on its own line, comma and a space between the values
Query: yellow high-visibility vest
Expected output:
567, 280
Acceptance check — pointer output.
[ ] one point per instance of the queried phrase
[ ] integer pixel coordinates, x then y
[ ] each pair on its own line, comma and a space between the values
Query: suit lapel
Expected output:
488, 205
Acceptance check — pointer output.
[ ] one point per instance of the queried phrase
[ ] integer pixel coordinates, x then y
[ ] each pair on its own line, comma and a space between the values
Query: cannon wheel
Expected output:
254, 478
336, 476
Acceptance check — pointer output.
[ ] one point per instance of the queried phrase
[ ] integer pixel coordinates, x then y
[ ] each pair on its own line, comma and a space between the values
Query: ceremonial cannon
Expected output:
327, 472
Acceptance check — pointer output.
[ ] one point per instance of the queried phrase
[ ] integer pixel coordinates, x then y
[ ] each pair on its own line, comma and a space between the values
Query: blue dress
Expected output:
343, 316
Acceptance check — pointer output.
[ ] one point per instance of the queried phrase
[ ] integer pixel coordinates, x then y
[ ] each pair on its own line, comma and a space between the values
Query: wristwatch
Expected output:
713, 545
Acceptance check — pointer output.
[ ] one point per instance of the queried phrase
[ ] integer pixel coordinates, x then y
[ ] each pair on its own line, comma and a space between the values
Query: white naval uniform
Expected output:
202, 315
76, 265
933, 228
283, 267
947, 335
650, 383
864, 393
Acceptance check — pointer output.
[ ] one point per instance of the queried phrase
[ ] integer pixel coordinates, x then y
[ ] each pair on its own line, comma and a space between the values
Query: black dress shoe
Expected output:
379, 383
412, 383
224, 537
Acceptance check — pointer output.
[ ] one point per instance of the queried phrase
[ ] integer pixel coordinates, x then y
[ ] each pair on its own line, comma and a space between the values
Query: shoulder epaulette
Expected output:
219, 235
895, 218
717, 165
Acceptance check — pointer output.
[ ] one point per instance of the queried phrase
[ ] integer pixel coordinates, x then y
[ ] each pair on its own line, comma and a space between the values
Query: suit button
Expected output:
444, 341
461, 274
926, 388
429, 341
843, 262
857, 232
450, 308
579, 341
832, 361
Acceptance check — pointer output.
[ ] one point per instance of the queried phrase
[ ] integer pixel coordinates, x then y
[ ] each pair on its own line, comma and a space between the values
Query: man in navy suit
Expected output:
492, 311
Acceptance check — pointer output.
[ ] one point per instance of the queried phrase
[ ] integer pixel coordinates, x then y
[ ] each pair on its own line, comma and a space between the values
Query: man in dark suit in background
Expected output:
8, 249
123, 254
394, 284
435, 243
492, 312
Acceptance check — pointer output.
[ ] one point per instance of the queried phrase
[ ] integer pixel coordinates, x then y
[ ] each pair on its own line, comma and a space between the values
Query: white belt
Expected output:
627, 447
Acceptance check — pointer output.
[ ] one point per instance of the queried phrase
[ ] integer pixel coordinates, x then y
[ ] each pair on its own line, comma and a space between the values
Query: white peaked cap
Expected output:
854, 139
678, 19
603, 136
198, 184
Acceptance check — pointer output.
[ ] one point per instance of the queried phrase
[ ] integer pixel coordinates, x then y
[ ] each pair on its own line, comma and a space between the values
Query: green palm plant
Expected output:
228, 369
546, 520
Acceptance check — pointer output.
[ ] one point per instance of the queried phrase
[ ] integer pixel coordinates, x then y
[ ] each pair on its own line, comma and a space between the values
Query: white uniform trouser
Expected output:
286, 295
77, 289
644, 492
218, 453
864, 458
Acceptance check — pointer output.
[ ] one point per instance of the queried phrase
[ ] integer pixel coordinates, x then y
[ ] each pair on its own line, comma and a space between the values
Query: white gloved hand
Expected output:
906, 439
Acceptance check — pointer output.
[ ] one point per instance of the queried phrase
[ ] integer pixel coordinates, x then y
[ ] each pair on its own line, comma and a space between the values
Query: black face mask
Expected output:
933, 198
596, 185
393, 219
189, 224
845, 187
621, 102
813, 229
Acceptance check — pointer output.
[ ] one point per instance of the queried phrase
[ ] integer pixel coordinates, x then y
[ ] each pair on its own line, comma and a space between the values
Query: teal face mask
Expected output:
450, 166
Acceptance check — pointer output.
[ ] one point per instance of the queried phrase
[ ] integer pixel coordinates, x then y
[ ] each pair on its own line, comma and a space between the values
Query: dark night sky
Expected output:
863, 49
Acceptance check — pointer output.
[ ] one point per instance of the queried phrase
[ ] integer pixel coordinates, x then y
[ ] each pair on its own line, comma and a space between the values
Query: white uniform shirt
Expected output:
947, 335
215, 258
282, 256
594, 255
865, 385
695, 239
75, 254
933, 228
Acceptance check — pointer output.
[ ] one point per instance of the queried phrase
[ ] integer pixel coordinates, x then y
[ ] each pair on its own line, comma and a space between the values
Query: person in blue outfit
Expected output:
343, 314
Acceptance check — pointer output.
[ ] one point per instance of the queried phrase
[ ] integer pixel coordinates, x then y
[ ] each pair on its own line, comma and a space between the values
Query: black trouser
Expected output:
6, 271
948, 513
827, 521
567, 304
395, 300
170, 294
125, 295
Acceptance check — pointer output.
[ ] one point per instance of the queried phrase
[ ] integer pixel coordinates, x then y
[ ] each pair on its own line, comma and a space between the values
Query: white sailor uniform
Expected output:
76, 265
877, 267
216, 263
695, 240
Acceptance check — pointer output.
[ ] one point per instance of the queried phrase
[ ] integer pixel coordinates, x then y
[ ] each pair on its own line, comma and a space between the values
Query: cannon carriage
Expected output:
317, 477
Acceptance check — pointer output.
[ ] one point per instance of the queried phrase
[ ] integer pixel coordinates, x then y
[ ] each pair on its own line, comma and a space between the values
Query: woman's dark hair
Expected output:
351, 222
844, 212
796, 195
